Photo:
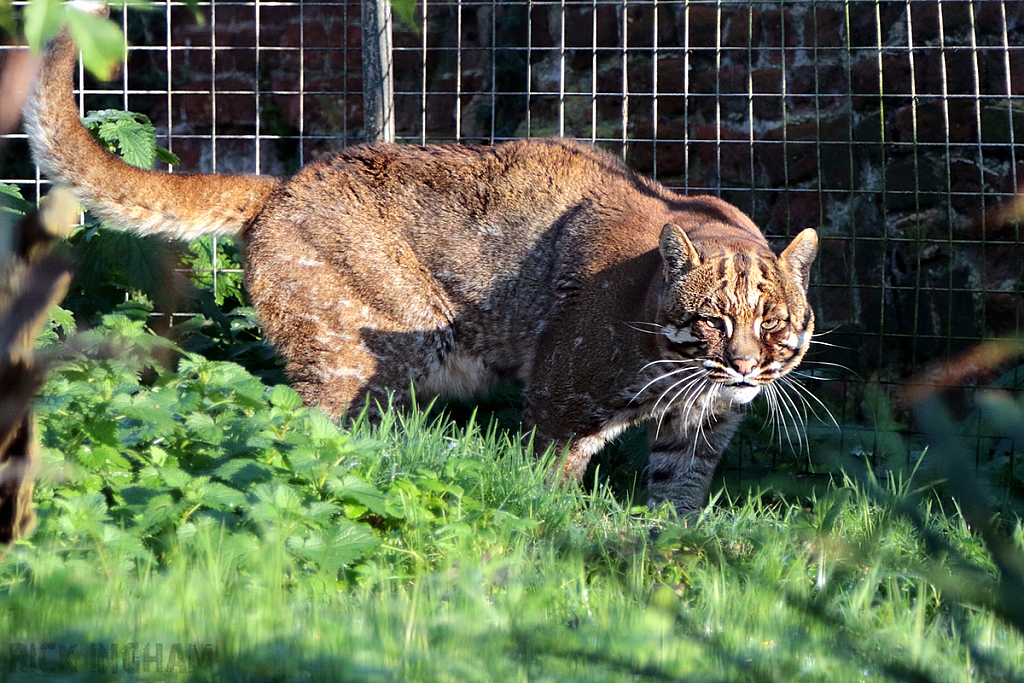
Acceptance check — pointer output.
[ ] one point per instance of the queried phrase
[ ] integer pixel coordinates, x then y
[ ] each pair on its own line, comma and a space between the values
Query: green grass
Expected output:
199, 513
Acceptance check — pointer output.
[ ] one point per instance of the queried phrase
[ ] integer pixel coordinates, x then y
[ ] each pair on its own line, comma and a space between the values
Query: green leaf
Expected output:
139, 496
100, 41
64, 320
42, 22
406, 11
284, 397
151, 409
321, 428
11, 200
102, 431
203, 426
85, 512
276, 503
132, 135
96, 457
166, 156
242, 473
7, 21
193, 6
136, 140
174, 477
352, 487
333, 549
305, 460
158, 455
136, 263
220, 497
158, 511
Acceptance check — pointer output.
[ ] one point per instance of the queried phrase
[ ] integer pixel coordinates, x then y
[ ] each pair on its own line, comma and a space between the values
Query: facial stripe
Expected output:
742, 290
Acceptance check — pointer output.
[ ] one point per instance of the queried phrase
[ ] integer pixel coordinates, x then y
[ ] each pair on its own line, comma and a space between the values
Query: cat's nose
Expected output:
744, 366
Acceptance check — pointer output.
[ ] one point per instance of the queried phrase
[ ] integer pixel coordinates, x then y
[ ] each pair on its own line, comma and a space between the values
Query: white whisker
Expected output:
832, 365
666, 361
790, 410
799, 419
808, 375
831, 346
690, 381
660, 378
822, 334
633, 326
705, 409
773, 413
793, 383
692, 389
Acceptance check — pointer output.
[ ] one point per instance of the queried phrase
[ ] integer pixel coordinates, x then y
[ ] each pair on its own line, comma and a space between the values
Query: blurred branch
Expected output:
32, 281
955, 372
971, 493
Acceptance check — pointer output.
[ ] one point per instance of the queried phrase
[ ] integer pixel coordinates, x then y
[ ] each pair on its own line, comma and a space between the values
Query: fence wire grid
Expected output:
891, 127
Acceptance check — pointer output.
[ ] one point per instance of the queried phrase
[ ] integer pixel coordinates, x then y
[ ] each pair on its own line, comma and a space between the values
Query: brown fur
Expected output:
544, 261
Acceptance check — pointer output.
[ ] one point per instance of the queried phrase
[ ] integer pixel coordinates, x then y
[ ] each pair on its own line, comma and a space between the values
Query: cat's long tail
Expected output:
148, 202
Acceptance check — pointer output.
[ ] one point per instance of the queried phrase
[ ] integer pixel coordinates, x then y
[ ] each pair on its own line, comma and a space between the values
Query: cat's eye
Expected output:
713, 323
770, 324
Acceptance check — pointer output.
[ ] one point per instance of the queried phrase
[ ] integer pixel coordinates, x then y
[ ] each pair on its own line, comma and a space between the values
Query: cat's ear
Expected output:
677, 252
800, 254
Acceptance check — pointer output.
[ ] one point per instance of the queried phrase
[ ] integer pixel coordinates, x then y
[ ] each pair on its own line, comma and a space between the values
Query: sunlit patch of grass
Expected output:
483, 571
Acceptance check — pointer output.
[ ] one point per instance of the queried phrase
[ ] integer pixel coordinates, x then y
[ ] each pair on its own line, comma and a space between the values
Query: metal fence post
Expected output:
378, 74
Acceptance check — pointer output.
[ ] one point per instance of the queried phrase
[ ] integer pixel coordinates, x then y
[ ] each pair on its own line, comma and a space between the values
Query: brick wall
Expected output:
888, 129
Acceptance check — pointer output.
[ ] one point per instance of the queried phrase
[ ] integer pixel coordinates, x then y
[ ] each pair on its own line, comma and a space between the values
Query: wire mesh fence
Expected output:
892, 127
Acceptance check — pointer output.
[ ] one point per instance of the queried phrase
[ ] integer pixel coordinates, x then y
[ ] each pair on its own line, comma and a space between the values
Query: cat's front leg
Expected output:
684, 457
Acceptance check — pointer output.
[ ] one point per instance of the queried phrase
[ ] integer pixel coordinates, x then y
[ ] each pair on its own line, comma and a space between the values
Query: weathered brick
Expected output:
186, 30
778, 28
701, 25
965, 180
931, 121
579, 26
819, 87
868, 20
668, 28
911, 184
744, 28
795, 211
1001, 124
864, 79
724, 153
924, 18
671, 72
278, 24
824, 27
192, 110
788, 153
640, 25
993, 63
540, 34
728, 79
669, 155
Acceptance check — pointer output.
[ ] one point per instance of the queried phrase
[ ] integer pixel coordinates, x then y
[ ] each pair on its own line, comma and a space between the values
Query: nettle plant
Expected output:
145, 440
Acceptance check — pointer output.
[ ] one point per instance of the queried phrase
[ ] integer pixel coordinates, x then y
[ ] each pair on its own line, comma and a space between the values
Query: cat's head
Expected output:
740, 314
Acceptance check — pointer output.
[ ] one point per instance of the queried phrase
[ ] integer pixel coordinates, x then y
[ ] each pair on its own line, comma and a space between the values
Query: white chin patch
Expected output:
739, 393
